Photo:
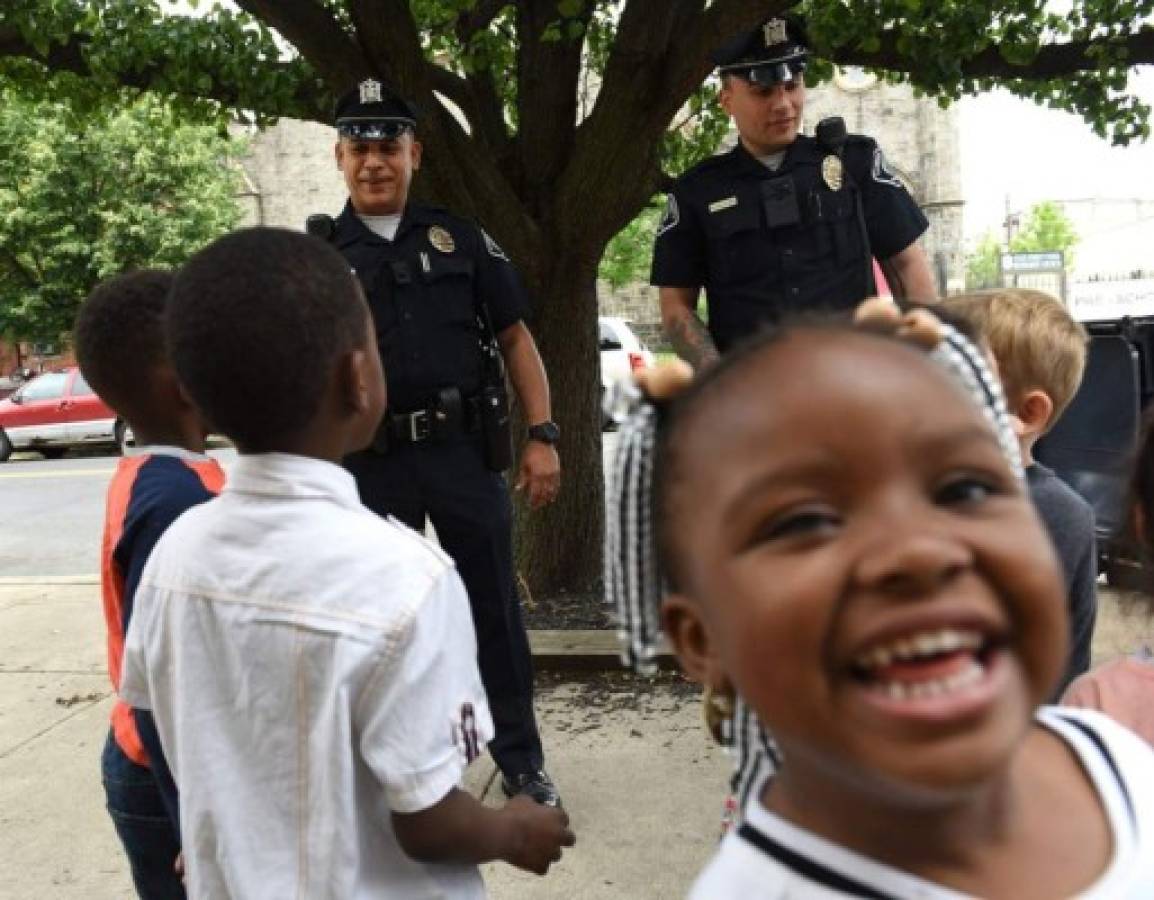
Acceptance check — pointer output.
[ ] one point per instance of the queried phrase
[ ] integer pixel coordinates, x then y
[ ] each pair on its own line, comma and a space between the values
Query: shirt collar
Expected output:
350, 228
167, 450
287, 475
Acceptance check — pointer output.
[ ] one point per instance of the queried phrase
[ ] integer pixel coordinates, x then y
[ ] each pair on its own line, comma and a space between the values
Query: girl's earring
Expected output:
718, 707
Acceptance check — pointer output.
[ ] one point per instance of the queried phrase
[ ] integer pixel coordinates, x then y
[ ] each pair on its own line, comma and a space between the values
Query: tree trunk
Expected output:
558, 548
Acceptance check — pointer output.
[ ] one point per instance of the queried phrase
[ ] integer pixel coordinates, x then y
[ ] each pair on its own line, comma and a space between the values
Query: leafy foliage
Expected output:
1047, 227
87, 195
629, 255
982, 266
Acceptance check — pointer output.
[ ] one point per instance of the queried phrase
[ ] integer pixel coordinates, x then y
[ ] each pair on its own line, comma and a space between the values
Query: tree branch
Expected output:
70, 55
318, 36
480, 17
1051, 61
488, 108
548, 73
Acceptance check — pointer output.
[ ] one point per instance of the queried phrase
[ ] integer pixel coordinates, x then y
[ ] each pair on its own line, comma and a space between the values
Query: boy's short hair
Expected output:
1037, 343
119, 336
257, 323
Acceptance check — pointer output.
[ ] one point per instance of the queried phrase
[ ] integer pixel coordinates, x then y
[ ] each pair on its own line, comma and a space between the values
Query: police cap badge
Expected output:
371, 112
774, 52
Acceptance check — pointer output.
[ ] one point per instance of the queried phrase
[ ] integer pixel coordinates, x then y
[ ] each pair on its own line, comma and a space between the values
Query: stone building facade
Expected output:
291, 173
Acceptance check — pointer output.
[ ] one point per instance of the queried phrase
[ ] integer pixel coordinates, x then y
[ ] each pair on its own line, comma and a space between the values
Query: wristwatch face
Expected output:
546, 433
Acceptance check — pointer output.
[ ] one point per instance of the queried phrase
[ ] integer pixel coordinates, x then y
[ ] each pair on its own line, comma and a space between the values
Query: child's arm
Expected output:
163, 491
462, 829
422, 716
1083, 602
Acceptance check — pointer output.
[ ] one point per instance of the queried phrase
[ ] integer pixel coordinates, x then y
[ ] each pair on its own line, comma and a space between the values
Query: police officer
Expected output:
439, 287
784, 221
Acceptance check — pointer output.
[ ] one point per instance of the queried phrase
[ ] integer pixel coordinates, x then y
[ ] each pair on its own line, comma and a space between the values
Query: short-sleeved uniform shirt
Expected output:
765, 242
771, 858
151, 487
312, 668
425, 288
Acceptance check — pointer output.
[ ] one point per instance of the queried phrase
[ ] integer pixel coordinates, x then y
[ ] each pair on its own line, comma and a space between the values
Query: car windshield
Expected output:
46, 387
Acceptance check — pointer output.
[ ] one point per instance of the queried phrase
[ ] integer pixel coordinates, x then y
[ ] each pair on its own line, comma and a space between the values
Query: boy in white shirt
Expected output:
312, 667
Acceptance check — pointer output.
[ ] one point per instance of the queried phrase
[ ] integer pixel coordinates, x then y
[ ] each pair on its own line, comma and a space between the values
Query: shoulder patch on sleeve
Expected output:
672, 216
881, 172
493, 247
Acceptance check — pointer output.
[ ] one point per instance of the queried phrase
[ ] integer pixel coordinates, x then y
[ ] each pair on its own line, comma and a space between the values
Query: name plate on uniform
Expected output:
719, 205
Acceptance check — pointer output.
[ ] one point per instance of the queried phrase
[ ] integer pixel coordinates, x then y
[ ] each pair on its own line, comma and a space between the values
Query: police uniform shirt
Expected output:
764, 242
424, 288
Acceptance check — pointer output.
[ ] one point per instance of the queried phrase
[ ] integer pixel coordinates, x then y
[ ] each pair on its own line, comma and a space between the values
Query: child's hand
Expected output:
535, 834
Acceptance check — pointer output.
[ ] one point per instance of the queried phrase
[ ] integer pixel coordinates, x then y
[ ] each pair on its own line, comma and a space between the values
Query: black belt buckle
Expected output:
420, 426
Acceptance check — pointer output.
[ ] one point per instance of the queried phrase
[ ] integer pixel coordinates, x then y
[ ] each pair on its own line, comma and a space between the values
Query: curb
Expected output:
577, 650
37, 580
586, 651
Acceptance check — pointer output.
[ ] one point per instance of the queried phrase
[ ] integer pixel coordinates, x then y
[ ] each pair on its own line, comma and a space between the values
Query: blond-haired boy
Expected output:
1040, 350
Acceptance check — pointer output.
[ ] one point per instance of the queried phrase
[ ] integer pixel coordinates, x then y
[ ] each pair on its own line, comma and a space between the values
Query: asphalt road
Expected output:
51, 511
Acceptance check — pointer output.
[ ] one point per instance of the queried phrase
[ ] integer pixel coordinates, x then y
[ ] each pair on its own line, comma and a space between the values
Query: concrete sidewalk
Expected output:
640, 779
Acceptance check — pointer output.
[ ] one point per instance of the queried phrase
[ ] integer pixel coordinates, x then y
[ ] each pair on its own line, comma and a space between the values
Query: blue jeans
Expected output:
138, 813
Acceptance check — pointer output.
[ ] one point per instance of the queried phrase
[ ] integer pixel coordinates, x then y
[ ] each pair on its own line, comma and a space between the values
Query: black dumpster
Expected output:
1091, 446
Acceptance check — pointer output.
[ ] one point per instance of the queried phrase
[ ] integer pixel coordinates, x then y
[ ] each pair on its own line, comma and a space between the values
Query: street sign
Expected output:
1032, 262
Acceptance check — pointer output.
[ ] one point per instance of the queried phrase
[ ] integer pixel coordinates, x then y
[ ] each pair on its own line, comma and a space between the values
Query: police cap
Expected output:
371, 112
775, 51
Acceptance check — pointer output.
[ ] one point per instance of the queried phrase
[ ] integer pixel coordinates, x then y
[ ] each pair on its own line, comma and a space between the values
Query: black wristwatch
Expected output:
546, 433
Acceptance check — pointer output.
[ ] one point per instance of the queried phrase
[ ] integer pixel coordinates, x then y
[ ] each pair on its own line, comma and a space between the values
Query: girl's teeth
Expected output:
926, 644
934, 687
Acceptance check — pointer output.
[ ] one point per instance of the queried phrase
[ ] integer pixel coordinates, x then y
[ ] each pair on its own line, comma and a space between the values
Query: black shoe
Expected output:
535, 785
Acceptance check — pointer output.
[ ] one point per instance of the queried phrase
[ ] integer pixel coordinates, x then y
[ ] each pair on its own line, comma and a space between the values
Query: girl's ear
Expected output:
689, 636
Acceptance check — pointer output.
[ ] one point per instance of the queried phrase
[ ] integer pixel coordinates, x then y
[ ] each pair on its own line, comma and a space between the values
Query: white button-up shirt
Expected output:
311, 667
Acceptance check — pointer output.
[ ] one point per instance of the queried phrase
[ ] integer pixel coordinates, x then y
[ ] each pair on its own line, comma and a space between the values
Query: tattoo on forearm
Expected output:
691, 341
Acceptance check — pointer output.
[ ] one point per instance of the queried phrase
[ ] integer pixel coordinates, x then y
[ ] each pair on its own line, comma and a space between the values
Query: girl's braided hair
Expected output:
638, 567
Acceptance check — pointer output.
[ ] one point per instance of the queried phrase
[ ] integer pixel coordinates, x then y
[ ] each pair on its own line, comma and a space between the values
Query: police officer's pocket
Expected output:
832, 227
740, 245
450, 285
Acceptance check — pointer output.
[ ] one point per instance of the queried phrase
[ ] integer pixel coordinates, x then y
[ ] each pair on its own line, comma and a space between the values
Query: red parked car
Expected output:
55, 411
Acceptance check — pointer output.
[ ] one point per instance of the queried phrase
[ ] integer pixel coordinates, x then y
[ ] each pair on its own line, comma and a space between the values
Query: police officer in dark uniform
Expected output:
444, 298
783, 221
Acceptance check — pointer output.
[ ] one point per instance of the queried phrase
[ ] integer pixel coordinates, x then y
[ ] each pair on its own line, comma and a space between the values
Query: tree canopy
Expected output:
556, 121
1046, 227
85, 196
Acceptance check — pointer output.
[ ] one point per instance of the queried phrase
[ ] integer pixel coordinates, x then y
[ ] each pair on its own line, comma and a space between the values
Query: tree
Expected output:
1047, 227
83, 197
983, 268
554, 160
629, 255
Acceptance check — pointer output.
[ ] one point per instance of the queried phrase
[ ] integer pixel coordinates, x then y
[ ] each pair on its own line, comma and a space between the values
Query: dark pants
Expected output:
470, 510
143, 826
